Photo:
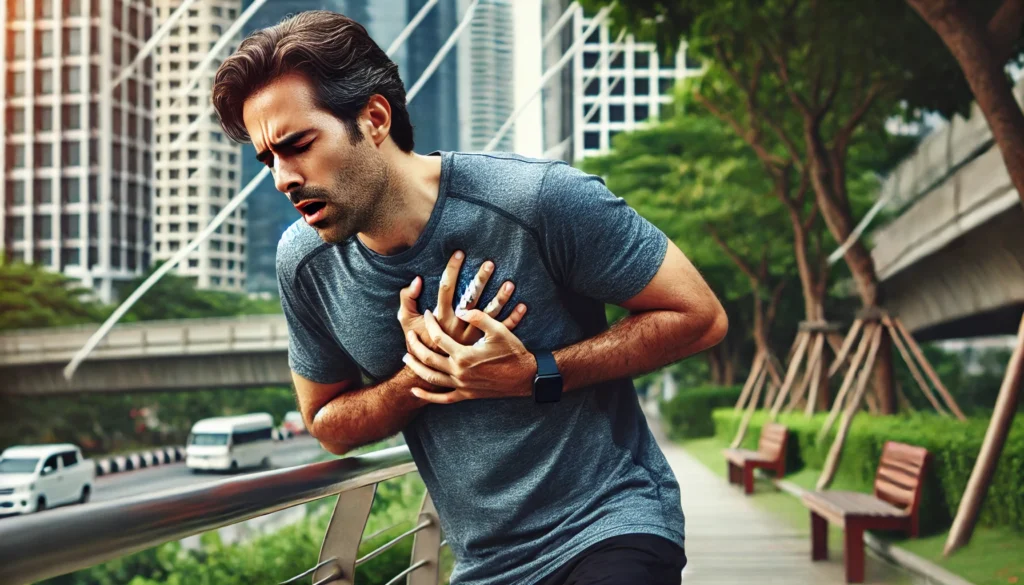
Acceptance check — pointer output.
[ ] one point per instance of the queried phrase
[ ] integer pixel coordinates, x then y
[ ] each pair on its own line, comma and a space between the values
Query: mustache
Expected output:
305, 193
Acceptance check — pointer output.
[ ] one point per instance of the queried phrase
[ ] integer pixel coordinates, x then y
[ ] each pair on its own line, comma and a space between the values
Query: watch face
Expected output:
547, 388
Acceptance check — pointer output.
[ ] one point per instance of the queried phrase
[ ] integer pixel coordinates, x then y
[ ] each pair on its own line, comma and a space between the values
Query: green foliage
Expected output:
953, 446
688, 414
176, 297
32, 297
272, 558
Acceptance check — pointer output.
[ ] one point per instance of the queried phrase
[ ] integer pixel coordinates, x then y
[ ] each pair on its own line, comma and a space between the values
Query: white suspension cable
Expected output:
859, 230
570, 11
215, 223
211, 56
443, 52
153, 42
575, 48
402, 36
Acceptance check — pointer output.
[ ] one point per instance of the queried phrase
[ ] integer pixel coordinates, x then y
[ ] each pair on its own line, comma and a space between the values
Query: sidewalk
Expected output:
730, 539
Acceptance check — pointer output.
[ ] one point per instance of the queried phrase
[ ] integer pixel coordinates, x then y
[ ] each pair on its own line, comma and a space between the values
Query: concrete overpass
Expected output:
952, 262
192, 354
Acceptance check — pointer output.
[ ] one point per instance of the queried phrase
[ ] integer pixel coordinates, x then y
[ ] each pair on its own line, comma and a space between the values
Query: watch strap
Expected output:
546, 365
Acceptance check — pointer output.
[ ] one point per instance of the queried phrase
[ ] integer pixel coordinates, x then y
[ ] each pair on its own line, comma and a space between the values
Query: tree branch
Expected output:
749, 135
739, 262
783, 69
842, 139
773, 305
1004, 29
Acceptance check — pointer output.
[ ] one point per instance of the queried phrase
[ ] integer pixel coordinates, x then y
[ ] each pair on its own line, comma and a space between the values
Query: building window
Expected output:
666, 85
591, 140
44, 155
16, 191
593, 87
215, 263
94, 256
72, 41
44, 119
618, 87
94, 190
43, 227
642, 87
72, 80
115, 256
42, 191
193, 210
174, 210
590, 59
15, 156
71, 155
619, 62
193, 263
16, 83
44, 8
17, 44
72, 256
71, 116
44, 82
70, 225
616, 113
173, 246
641, 60
193, 47
174, 228
71, 189
15, 120
641, 112
72, 7
16, 227
44, 42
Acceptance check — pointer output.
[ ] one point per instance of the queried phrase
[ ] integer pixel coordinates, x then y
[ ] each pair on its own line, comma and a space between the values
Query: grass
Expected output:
995, 556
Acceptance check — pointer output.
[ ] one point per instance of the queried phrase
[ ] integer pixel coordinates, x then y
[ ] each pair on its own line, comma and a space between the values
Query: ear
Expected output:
377, 116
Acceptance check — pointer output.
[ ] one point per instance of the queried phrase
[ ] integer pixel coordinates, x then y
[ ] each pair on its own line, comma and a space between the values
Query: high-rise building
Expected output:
77, 188
435, 111
631, 84
486, 88
557, 96
198, 174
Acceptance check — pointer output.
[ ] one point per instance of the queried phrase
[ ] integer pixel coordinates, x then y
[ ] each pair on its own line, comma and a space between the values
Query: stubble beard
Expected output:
363, 207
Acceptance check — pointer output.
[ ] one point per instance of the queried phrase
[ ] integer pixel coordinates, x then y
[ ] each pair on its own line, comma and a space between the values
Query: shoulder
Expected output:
517, 185
298, 245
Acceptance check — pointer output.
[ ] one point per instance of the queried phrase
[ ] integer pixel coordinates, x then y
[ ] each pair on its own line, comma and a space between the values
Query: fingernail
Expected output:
459, 255
405, 359
488, 267
508, 287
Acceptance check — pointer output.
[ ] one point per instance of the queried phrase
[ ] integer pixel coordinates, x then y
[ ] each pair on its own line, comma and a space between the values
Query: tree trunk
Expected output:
813, 301
983, 68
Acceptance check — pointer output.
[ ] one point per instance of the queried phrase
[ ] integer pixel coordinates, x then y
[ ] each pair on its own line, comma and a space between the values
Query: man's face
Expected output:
338, 187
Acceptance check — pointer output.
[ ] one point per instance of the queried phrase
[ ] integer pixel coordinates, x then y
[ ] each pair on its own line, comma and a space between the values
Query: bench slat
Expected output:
894, 494
897, 477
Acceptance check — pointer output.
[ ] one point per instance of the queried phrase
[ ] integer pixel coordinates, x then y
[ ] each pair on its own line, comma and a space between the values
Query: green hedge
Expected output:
953, 445
688, 414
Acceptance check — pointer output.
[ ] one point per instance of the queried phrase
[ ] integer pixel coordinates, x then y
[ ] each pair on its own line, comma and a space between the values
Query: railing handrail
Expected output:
63, 540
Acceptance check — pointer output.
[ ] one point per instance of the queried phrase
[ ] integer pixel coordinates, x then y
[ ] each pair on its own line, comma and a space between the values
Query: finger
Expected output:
408, 296
485, 323
512, 321
425, 355
438, 337
440, 397
446, 289
471, 297
498, 302
426, 374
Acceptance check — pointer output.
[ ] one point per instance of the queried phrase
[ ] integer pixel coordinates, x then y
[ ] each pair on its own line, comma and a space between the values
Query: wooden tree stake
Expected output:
751, 407
812, 362
927, 367
842, 354
913, 367
794, 367
837, 406
812, 400
755, 371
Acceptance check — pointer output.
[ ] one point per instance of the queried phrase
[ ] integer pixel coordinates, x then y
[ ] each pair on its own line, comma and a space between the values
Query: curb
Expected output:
889, 552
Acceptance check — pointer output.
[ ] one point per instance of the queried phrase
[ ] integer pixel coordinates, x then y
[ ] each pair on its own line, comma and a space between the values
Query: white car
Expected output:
230, 443
44, 476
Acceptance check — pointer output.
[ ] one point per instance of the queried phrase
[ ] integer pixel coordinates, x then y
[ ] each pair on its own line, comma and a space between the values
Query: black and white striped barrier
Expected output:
140, 460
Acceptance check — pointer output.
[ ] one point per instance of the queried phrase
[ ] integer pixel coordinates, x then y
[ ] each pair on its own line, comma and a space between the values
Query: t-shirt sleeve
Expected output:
312, 351
595, 243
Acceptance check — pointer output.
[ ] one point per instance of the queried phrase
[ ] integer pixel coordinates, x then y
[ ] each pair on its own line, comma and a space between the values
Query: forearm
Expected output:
359, 417
639, 343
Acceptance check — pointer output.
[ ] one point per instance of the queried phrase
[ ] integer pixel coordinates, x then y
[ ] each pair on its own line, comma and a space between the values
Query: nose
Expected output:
286, 178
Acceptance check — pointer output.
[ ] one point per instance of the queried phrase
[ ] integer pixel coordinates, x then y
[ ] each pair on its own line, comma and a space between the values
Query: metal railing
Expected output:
63, 540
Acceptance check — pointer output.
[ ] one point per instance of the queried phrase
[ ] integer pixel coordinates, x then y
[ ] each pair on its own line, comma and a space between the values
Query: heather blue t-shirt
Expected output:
519, 487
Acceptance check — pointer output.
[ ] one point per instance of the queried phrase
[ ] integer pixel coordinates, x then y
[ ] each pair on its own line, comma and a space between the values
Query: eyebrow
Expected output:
284, 143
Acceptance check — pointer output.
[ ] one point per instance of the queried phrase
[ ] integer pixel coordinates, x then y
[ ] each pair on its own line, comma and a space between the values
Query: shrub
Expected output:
953, 446
688, 414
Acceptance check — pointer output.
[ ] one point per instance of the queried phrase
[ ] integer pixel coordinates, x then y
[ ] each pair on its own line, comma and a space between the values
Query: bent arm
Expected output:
676, 315
343, 418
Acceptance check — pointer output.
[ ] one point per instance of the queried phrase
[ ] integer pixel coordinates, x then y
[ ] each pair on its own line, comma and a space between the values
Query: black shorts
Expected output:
630, 559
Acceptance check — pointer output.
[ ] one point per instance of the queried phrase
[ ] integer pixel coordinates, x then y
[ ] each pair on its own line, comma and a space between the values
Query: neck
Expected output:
412, 188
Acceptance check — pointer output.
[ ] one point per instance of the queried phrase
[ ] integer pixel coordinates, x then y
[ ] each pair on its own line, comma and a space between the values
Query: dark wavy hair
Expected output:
335, 52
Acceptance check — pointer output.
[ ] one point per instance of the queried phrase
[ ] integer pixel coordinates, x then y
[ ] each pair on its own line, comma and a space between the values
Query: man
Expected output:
532, 444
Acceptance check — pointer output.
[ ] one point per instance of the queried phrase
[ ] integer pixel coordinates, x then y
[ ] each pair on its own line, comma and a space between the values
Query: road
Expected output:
288, 453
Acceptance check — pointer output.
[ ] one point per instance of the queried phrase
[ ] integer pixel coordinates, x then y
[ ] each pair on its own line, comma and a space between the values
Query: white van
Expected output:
43, 476
230, 442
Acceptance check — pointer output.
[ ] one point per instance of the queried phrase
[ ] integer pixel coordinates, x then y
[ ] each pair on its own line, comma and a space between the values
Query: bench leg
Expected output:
854, 551
733, 472
819, 538
748, 479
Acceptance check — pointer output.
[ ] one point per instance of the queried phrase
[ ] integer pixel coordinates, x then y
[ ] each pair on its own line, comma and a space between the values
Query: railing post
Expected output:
344, 533
426, 546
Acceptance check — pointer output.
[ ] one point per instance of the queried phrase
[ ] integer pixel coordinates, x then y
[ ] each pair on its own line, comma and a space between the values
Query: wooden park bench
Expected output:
770, 454
894, 506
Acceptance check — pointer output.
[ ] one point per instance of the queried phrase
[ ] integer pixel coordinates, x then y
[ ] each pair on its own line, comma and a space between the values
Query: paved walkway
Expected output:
730, 539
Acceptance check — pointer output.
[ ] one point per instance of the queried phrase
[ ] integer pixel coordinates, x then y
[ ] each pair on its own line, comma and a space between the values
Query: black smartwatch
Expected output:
547, 385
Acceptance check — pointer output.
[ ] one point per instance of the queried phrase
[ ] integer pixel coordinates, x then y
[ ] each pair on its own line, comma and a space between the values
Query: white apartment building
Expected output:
76, 188
629, 86
486, 80
198, 173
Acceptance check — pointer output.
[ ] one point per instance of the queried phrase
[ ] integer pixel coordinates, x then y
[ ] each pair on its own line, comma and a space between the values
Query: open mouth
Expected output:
312, 211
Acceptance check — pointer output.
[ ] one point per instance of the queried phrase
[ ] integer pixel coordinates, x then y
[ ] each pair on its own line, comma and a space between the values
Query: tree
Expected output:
32, 297
802, 82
